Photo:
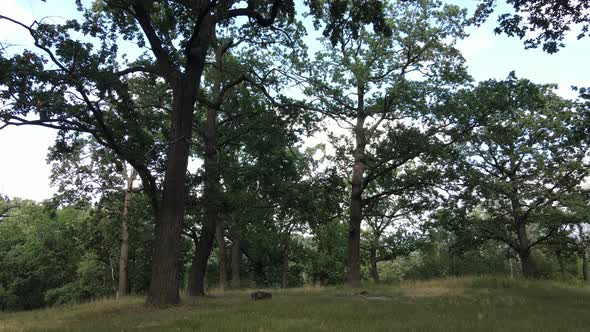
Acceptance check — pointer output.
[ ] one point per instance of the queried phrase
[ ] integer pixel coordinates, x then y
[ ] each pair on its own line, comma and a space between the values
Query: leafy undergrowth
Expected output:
465, 304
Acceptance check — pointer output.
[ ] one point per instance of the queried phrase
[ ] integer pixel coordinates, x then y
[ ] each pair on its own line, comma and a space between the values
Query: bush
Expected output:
70, 293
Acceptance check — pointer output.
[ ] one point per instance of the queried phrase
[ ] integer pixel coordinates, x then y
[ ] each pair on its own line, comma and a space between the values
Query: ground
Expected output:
466, 304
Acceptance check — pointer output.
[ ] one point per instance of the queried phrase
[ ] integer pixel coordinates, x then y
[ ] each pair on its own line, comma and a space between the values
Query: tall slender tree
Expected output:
384, 92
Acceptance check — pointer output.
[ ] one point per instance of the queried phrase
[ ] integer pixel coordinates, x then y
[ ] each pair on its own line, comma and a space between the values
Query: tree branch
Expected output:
167, 69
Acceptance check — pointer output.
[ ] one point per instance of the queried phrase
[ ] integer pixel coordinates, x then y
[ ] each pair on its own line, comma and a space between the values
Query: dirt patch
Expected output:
378, 298
430, 291
366, 296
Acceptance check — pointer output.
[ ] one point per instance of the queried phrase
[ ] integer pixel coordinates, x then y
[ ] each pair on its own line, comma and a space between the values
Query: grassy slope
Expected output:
472, 304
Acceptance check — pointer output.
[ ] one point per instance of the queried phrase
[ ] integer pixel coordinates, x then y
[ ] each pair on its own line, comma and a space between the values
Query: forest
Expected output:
205, 146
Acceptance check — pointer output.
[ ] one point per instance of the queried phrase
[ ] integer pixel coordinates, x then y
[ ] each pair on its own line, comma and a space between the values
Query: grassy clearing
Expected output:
467, 304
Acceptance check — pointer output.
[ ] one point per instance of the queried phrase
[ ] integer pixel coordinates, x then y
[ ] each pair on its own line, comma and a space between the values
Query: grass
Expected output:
465, 304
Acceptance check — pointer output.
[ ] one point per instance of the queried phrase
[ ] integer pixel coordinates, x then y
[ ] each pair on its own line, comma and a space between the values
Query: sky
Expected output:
23, 169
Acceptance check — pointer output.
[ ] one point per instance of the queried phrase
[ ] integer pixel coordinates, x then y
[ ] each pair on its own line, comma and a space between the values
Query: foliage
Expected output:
34, 257
520, 167
53, 256
391, 94
540, 22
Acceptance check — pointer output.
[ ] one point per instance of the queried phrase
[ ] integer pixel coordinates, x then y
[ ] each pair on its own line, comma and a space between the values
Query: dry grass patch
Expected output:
433, 288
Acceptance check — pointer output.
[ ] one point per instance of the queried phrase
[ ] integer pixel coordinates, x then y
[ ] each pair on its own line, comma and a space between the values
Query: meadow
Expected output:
454, 304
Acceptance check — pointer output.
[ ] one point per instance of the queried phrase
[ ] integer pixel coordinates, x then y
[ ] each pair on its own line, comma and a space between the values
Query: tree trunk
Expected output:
374, 271
585, 264
164, 281
198, 270
114, 281
356, 204
526, 264
235, 261
165, 264
211, 194
524, 248
524, 251
285, 268
354, 238
220, 238
124, 250
561, 263
511, 267
192, 274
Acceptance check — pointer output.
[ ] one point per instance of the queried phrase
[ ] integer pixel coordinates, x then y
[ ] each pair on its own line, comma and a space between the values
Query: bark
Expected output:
197, 274
211, 193
165, 265
235, 261
354, 233
163, 285
373, 268
220, 238
285, 267
585, 265
524, 252
192, 275
124, 249
526, 264
524, 248
583, 252
356, 204
197, 278
113, 280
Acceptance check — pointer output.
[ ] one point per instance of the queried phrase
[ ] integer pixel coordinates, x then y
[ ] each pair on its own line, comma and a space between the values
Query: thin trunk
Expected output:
165, 264
518, 263
585, 264
356, 204
124, 253
509, 253
561, 263
113, 280
235, 260
220, 238
584, 252
285, 269
373, 268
